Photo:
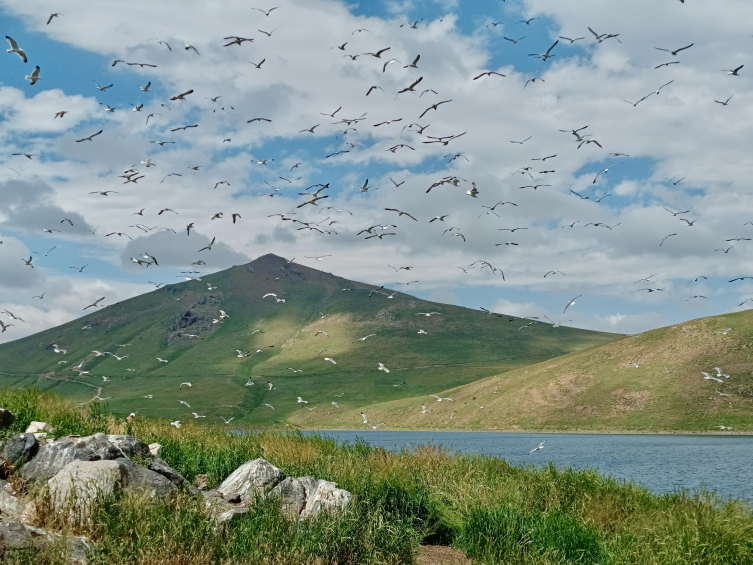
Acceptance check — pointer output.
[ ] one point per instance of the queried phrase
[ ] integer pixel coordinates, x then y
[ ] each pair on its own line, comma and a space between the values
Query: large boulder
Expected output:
55, 455
17, 536
252, 478
326, 497
20, 449
293, 494
78, 484
6, 418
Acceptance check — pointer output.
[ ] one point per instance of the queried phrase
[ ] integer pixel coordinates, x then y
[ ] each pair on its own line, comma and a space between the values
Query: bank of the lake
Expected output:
492, 510
662, 463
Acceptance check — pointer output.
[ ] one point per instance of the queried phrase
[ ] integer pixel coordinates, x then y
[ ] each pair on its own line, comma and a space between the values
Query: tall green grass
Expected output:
491, 510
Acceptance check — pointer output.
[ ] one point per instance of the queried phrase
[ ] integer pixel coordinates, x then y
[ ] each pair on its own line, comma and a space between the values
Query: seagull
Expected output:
227, 421
424, 410
428, 314
708, 377
267, 12
330, 360
163, 361
90, 138
541, 446
95, 304
182, 96
383, 368
488, 74
14, 48
34, 76
176, 423
605, 171
725, 103
269, 406
571, 303
546, 55
676, 51
440, 399
733, 72
186, 384
301, 400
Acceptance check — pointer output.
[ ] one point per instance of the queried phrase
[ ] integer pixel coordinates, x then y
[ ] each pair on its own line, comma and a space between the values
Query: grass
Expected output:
599, 389
462, 346
495, 512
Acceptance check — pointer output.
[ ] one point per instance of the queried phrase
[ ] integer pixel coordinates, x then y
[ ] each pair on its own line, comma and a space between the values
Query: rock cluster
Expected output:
303, 497
78, 469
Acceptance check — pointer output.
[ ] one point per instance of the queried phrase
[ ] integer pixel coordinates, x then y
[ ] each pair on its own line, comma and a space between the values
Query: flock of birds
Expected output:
315, 194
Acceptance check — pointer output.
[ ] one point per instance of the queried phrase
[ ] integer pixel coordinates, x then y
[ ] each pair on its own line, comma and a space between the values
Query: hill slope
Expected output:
601, 389
460, 346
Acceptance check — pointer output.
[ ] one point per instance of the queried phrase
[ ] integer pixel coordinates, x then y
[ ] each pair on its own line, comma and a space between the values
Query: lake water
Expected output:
662, 463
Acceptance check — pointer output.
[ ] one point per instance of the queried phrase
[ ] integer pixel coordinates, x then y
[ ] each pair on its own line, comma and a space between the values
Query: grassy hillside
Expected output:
460, 346
601, 389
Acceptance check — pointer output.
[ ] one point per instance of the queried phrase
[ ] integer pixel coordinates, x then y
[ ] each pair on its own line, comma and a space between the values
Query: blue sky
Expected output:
682, 132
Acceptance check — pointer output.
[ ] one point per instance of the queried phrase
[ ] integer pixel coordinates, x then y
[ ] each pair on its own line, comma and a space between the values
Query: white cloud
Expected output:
681, 132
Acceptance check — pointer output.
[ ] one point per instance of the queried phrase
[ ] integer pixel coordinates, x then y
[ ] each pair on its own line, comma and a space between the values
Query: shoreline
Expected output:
539, 432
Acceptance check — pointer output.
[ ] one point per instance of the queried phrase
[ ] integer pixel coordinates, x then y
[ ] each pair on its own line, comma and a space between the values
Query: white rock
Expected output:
37, 427
252, 478
155, 449
326, 497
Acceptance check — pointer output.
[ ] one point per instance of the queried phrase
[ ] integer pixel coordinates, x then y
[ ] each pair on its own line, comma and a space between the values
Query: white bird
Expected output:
161, 360
440, 399
148, 396
184, 402
56, 349
241, 354
181, 385
14, 48
227, 421
250, 382
301, 400
295, 370
364, 338
428, 314
34, 76
383, 368
176, 423
708, 377
570, 303
365, 418
423, 332
195, 415
145, 88
330, 360
424, 410
541, 446
269, 406
335, 404
719, 373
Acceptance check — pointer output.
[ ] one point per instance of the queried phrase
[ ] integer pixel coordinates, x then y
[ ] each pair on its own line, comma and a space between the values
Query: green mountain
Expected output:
650, 382
182, 324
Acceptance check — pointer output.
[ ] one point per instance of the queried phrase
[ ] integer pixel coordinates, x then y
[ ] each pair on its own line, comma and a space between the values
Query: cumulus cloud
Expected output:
677, 133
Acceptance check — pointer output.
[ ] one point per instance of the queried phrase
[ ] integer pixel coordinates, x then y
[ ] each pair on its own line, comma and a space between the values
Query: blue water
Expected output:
663, 463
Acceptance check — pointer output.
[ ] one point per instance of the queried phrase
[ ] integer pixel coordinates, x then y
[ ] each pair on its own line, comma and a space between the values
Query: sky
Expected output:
672, 202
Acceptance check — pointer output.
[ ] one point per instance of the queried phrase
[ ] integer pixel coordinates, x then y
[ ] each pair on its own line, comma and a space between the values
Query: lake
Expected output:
662, 463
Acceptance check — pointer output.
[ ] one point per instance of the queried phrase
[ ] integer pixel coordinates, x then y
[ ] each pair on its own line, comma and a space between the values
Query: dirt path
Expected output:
441, 555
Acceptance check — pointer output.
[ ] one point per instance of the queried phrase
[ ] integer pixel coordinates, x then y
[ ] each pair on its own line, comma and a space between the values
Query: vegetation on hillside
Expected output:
649, 382
492, 511
285, 343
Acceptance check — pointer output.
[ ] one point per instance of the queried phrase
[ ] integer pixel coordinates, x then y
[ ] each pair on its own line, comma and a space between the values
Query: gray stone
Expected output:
220, 511
80, 482
326, 497
252, 478
293, 494
20, 449
15, 536
10, 505
130, 446
55, 455
159, 466
6, 418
